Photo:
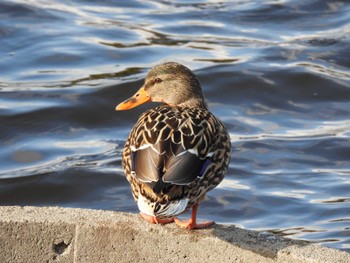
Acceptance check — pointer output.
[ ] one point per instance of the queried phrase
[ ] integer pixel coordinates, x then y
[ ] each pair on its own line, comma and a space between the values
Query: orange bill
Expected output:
140, 97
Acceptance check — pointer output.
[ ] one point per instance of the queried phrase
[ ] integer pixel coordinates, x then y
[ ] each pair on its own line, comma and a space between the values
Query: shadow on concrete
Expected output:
263, 243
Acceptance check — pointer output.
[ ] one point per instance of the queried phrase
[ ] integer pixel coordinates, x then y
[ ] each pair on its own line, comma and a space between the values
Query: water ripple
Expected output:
103, 162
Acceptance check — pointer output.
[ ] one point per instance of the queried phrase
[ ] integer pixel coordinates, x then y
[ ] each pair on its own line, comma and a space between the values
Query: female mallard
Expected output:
176, 152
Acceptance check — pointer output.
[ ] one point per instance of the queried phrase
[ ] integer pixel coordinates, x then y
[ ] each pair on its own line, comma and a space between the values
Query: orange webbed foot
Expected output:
189, 224
155, 220
192, 222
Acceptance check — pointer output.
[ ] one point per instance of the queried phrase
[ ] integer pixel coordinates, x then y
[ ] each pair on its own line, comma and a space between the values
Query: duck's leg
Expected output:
192, 222
155, 220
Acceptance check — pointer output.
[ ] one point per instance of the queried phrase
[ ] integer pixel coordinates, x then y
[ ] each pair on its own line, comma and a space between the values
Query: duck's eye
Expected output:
158, 80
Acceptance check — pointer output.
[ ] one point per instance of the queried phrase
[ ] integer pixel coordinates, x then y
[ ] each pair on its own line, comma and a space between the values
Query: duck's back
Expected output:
173, 156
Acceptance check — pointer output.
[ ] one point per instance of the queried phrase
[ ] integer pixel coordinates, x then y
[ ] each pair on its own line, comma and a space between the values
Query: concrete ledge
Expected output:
53, 234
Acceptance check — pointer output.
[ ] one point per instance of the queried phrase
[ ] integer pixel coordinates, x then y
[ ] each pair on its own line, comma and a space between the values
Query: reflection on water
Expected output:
276, 72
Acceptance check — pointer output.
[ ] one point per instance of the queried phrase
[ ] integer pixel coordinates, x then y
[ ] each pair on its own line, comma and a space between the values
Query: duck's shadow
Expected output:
263, 243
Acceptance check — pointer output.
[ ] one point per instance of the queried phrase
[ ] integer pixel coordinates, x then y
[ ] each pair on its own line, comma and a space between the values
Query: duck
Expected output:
177, 151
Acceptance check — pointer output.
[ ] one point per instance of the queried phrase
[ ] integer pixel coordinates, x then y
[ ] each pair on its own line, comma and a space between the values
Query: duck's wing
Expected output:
176, 154
176, 165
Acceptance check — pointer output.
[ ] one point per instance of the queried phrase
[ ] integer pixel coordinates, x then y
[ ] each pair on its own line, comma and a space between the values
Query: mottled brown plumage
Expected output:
176, 152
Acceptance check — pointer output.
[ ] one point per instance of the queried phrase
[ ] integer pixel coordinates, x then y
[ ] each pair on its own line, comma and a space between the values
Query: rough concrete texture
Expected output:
53, 234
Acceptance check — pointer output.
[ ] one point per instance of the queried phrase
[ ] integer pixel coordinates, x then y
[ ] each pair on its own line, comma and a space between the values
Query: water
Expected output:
276, 72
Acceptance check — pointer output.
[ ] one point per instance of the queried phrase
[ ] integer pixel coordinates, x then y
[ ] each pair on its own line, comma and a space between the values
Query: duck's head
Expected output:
170, 83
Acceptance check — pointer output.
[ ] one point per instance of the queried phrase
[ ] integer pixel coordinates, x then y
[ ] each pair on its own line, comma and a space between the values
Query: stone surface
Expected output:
53, 234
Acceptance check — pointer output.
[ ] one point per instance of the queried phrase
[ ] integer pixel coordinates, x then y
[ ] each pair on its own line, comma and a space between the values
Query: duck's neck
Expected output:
193, 103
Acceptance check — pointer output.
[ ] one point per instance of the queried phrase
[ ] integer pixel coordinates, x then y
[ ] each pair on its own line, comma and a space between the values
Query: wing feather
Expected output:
174, 155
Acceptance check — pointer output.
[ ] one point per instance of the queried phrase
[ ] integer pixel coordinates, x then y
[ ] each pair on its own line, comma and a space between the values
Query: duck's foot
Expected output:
155, 220
192, 222
189, 224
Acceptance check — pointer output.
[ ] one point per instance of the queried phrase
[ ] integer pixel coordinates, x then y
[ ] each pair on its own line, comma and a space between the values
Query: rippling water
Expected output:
276, 72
